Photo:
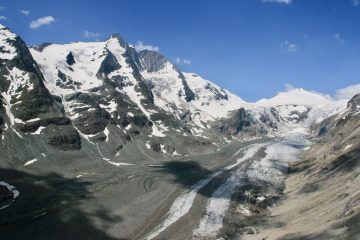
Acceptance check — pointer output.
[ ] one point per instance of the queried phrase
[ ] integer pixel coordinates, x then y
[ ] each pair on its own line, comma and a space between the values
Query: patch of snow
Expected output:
106, 132
33, 120
117, 163
18, 79
175, 153
155, 165
163, 148
347, 147
261, 199
80, 175
12, 189
158, 132
38, 131
30, 162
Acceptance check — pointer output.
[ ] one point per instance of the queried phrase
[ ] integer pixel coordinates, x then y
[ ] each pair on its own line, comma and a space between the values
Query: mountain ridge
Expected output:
143, 95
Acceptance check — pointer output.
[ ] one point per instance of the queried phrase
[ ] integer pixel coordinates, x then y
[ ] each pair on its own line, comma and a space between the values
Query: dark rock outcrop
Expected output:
63, 137
219, 94
70, 60
108, 65
152, 61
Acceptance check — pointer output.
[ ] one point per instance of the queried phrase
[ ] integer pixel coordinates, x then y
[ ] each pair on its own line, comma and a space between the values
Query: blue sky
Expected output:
254, 48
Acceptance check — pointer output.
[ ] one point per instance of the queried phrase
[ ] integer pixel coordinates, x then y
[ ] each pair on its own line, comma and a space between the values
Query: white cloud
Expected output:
3, 18
338, 37
88, 34
25, 12
139, 46
182, 61
41, 21
289, 87
290, 47
347, 92
277, 1
356, 2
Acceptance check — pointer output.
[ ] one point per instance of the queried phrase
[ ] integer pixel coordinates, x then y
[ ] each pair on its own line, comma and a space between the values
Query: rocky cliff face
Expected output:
242, 123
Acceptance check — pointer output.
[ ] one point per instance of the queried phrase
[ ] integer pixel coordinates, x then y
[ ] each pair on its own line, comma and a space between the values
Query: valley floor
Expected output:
101, 201
235, 193
232, 199
205, 197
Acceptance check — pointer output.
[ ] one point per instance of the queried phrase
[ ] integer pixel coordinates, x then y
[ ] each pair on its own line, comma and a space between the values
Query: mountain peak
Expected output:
296, 96
152, 61
7, 50
6, 32
41, 46
119, 38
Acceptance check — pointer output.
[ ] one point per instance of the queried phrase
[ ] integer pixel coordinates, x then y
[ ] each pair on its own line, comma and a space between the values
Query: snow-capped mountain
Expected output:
297, 96
112, 97
185, 94
302, 106
150, 80
98, 82
26, 104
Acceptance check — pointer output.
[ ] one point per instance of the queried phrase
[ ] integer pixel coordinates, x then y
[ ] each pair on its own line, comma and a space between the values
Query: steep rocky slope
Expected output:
27, 107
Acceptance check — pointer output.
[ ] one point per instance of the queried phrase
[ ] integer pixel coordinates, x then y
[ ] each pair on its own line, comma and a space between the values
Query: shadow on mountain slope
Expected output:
50, 207
185, 173
190, 173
